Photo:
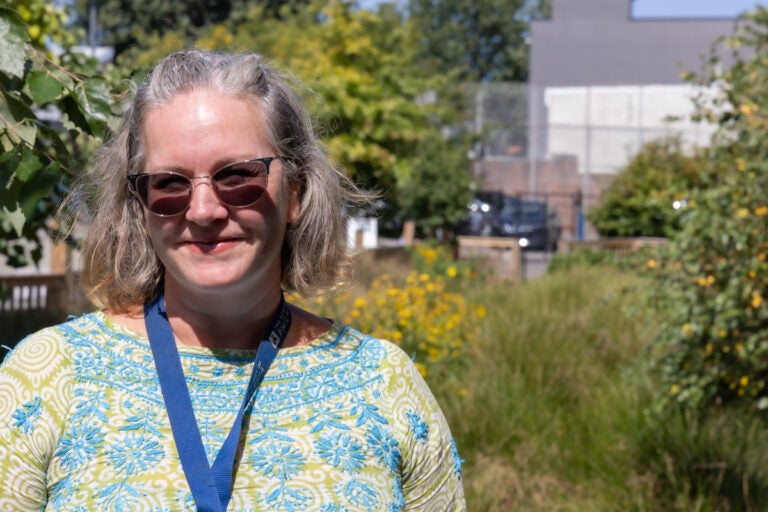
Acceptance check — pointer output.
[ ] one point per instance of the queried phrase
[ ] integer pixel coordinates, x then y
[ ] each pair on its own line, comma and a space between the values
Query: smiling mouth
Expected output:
211, 246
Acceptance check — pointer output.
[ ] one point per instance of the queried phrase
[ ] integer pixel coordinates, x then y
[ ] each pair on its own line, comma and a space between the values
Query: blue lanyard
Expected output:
211, 485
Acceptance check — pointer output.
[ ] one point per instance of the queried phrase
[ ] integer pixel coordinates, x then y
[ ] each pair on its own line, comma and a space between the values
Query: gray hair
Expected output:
121, 268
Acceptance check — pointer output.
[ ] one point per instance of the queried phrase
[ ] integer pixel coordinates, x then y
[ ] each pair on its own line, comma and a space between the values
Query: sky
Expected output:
669, 8
693, 8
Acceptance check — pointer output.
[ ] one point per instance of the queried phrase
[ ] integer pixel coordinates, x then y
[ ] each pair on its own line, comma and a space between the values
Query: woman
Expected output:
211, 199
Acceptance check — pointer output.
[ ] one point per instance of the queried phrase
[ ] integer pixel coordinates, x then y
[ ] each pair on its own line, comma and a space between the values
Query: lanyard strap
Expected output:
211, 485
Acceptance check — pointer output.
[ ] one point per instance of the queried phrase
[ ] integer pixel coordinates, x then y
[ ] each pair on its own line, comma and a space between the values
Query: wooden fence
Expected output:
501, 255
34, 292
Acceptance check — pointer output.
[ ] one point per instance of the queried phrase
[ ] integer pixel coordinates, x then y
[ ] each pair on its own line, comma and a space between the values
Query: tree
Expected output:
125, 23
648, 196
373, 99
438, 189
40, 153
713, 280
479, 39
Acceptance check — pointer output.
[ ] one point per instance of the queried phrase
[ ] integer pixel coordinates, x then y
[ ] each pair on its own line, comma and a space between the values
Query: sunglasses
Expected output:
166, 194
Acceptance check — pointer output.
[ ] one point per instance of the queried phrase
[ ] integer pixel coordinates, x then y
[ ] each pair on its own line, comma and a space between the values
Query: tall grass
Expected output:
555, 413
553, 388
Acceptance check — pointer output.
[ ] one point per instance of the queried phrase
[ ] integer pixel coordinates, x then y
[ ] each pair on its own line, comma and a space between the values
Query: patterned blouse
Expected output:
344, 423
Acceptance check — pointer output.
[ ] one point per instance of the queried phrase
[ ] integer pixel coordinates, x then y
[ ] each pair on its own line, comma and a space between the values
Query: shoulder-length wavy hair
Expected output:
120, 267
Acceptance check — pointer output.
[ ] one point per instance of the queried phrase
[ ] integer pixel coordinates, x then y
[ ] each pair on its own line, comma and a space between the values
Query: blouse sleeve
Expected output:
33, 386
431, 466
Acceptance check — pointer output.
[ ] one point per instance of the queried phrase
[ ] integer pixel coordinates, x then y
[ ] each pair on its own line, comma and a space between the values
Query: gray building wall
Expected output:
595, 42
589, 43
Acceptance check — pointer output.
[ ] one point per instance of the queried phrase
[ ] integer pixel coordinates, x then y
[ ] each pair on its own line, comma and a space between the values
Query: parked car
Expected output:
534, 224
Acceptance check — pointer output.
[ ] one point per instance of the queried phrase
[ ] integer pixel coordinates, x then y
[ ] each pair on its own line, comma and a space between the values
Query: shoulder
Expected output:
45, 342
371, 348
344, 350
51, 345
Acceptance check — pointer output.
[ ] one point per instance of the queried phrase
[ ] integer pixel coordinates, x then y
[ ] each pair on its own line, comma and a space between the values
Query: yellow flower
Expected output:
747, 109
757, 299
741, 165
744, 381
451, 271
742, 212
422, 369
752, 274
761, 211
687, 329
674, 389
651, 263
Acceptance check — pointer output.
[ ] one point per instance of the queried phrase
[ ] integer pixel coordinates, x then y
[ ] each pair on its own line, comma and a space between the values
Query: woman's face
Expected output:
212, 246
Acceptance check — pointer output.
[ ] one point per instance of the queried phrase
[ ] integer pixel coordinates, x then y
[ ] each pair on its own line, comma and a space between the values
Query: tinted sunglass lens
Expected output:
241, 184
164, 193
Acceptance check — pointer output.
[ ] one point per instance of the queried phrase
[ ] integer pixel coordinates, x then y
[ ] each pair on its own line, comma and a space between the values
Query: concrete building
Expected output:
601, 85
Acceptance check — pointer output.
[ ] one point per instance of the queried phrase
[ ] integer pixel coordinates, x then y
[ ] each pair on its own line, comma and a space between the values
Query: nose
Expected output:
204, 206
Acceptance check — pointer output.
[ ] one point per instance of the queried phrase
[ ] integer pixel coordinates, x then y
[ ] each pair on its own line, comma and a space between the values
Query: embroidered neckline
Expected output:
331, 336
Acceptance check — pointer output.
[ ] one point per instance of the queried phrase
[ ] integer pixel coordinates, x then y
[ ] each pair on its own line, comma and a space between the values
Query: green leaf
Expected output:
18, 119
13, 40
73, 117
28, 166
94, 101
34, 192
44, 87
9, 160
15, 218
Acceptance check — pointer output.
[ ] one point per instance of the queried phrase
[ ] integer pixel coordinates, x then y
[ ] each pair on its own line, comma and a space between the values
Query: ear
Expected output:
294, 201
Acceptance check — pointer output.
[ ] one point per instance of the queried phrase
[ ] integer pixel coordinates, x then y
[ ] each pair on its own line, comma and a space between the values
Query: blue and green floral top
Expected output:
344, 423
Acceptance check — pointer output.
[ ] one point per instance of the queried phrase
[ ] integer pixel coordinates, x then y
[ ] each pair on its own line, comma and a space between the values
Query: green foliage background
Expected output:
39, 153
639, 200
384, 107
711, 280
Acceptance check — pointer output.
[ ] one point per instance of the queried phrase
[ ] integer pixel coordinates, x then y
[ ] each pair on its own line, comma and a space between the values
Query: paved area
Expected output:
534, 264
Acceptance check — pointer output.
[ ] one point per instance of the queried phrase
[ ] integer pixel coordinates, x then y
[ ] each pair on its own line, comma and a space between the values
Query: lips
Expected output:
211, 246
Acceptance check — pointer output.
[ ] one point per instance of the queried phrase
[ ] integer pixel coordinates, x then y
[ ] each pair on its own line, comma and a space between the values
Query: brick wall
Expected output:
557, 182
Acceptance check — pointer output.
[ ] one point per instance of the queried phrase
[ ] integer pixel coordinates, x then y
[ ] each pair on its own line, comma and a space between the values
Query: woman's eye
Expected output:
170, 182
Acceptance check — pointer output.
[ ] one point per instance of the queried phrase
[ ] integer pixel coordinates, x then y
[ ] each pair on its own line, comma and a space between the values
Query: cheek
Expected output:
155, 232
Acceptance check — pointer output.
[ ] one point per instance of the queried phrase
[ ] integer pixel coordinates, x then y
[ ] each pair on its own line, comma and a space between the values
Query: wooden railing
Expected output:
35, 292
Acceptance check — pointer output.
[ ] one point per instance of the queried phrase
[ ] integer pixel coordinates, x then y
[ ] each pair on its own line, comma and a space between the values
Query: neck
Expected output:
213, 321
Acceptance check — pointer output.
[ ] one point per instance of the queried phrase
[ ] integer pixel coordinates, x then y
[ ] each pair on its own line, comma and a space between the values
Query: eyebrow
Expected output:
219, 164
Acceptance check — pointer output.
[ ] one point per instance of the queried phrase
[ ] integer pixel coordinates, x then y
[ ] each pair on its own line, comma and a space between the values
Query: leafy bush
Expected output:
38, 157
639, 200
711, 282
421, 310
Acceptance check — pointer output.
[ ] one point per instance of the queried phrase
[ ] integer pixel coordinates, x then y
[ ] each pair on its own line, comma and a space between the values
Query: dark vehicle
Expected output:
482, 213
533, 223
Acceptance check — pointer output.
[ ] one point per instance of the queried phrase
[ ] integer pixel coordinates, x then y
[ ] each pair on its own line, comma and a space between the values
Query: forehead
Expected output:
203, 124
